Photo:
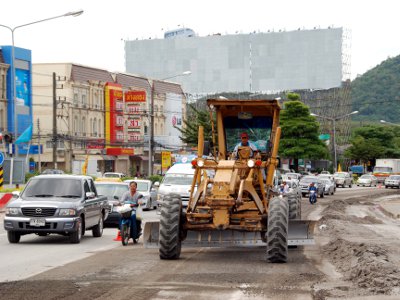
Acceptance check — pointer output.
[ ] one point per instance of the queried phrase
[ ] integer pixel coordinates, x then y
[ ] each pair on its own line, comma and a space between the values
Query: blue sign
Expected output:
1, 158
33, 149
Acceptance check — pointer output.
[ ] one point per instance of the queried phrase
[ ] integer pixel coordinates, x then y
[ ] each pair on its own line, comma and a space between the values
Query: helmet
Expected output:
312, 183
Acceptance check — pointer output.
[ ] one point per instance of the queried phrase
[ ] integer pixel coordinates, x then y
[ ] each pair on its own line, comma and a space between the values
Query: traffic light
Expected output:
8, 138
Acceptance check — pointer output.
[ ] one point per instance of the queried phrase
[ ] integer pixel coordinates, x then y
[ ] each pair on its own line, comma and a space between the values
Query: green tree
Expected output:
374, 141
300, 133
196, 117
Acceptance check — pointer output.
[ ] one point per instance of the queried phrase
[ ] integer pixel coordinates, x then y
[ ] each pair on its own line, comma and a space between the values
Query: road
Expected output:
356, 255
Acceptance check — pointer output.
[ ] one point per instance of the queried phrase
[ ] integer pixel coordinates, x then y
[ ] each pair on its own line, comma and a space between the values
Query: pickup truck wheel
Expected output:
75, 237
13, 237
97, 230
277, 231
170, 227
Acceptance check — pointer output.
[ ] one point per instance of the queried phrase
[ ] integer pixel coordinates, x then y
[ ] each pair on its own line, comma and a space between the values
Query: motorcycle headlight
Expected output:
11, 211
67, 212
250, 163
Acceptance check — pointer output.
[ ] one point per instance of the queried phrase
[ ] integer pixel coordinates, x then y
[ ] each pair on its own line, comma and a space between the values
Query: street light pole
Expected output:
74, 14
334, 130
151, 110
389, 123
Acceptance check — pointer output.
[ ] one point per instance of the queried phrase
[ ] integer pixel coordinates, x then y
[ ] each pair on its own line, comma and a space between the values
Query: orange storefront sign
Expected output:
135, 96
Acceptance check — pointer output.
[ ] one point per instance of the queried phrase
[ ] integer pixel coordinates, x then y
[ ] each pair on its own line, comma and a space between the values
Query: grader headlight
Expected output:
250, 163
200, 163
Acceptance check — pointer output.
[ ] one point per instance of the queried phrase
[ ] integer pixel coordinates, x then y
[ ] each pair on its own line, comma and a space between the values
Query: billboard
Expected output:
22, 106
133, 100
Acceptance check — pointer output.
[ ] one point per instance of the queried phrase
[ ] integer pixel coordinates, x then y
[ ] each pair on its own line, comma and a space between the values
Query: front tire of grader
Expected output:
277, 231
170, 227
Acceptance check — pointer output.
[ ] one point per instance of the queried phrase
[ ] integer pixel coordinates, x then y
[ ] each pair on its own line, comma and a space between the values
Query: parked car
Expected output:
367, 180
113, 191
62, 204
292, 176
343, 179
329, 186
392, 181
305, 183
149, 192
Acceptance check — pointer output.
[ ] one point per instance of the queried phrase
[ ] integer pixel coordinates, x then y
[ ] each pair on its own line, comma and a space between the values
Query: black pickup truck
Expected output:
63, 204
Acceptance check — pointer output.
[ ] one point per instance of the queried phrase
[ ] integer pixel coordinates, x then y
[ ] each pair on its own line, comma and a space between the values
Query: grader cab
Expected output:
233, 201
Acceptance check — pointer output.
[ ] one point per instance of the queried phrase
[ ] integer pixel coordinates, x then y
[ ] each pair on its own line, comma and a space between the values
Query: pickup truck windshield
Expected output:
53, 187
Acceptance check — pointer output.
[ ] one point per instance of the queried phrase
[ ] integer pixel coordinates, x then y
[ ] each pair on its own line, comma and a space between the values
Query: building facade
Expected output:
101, 117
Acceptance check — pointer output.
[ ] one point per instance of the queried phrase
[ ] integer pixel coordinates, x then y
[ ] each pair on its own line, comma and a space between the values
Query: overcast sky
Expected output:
96, 38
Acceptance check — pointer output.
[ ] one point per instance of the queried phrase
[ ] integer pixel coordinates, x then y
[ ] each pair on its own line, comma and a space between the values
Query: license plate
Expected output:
37, 222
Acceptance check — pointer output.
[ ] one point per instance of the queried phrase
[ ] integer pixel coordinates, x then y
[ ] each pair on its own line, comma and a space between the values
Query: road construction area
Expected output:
356, 256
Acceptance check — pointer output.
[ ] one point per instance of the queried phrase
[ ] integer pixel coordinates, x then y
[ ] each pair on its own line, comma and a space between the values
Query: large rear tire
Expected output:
277, 232
170, 227
294, 206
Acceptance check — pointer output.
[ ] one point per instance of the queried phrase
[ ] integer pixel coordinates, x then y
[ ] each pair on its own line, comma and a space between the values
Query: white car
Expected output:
367, 180
392, 181
113, 175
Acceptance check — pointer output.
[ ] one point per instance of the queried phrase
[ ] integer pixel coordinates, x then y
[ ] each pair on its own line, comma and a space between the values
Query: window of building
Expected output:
83, 126
75, 125
94, 128
3, 86
100, 130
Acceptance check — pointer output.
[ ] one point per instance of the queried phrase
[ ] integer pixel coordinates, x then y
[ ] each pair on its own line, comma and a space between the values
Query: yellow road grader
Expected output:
233, 201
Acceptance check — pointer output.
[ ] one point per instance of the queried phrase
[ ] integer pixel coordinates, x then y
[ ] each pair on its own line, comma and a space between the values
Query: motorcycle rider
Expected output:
132, 197
312, 187
284, 189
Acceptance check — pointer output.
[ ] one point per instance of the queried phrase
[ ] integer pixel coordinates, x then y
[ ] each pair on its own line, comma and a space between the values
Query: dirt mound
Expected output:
368, 266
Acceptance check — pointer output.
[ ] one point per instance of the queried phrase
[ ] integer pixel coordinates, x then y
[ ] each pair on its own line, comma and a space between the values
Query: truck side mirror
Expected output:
90, 195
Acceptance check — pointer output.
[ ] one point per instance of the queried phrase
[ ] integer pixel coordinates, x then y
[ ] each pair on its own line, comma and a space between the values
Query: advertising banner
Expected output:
114, 113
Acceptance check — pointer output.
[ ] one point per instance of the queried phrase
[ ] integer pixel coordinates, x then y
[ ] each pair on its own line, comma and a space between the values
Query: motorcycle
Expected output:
313, 197
126, 212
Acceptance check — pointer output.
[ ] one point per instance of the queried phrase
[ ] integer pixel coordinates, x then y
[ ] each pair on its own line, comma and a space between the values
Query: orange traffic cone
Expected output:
118, 238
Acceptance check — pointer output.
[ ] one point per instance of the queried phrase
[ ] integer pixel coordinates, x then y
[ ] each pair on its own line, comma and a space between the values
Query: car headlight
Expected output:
250, 163
67, 212
11, 211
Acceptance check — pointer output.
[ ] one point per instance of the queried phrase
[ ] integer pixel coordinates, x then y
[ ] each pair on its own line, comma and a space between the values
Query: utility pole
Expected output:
54, 121
39, 162
151, 142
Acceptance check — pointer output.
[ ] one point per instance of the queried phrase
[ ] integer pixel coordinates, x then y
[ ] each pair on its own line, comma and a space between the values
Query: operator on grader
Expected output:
244, 143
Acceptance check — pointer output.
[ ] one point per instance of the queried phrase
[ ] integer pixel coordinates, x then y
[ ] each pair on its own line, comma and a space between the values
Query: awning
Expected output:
94, 157
141, 157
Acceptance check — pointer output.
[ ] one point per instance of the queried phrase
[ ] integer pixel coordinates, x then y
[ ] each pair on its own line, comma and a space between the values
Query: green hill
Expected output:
376, 94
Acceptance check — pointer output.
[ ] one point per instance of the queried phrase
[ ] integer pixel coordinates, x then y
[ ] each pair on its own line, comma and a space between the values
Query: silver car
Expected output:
367, 180
329, 186
392, 181
343, 179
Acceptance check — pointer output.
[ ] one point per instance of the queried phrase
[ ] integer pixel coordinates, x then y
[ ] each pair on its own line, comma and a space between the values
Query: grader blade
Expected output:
301, 232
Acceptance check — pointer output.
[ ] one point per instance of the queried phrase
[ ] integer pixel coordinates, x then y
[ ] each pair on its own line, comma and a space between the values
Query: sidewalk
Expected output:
391, 208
